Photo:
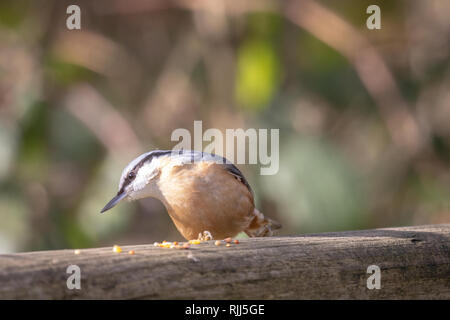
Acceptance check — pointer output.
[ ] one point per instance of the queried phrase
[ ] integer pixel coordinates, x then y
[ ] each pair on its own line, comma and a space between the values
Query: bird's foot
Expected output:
205, 236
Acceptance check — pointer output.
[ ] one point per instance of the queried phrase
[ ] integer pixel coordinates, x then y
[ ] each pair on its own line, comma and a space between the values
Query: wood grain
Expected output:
414, 263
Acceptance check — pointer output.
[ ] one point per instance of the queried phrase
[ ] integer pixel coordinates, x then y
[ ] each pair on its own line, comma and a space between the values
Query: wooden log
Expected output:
414, 263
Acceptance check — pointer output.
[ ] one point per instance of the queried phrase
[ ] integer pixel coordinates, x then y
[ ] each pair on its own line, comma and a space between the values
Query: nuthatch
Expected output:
203, 193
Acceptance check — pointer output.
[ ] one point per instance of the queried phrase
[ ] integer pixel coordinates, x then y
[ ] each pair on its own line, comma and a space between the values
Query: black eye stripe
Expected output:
149, 157
129, 178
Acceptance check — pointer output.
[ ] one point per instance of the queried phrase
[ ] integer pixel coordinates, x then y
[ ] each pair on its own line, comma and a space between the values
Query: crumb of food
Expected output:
228, 245
131, 252
194, 241
236, 241
217, 243
77, 251
117, 249
174, 245
227, 240
167, 244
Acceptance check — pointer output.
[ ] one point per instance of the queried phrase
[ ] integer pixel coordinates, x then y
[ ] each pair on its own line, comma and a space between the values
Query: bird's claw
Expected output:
205, 236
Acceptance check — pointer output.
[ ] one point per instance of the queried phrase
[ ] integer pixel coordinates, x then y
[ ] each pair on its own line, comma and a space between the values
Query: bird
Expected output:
205, 195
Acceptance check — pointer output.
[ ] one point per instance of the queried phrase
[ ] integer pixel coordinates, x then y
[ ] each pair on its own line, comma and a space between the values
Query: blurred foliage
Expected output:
257, 74
331, 196
258, 64
76, 106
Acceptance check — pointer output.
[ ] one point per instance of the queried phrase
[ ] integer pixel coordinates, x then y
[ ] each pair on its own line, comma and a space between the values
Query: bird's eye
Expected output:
131, 175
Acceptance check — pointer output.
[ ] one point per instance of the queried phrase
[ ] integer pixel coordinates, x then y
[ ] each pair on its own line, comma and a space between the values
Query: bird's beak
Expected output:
114, 201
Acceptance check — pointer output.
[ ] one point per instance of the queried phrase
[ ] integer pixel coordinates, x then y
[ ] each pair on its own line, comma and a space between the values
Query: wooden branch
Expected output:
414, 263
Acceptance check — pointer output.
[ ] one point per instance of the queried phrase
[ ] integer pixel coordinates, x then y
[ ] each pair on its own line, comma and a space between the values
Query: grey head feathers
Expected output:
182, 157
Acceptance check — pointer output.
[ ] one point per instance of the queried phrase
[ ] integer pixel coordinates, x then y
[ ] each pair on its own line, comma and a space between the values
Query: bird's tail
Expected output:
261, 226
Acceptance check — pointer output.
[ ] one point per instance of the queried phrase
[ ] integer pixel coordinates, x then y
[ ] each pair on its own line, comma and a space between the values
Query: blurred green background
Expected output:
364, 115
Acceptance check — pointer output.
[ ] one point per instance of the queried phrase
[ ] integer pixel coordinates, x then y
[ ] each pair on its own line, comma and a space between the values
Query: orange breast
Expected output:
205, 197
